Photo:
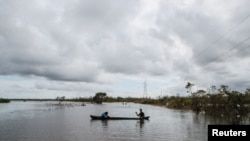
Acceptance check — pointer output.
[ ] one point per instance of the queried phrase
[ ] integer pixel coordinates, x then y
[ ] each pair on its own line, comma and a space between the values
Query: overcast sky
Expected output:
75, 48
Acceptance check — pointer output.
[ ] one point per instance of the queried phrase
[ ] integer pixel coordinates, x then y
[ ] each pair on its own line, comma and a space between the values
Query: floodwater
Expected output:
44, 121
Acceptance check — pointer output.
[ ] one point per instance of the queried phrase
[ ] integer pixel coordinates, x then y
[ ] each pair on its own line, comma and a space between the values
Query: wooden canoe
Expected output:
118, 118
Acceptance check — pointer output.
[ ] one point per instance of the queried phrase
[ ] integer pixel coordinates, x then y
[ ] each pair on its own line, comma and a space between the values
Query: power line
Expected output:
221, 37
243, 48
219, 56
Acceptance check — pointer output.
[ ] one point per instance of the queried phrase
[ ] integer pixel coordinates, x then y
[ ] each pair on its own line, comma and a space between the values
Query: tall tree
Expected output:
224, 89
212, 89
189, 87
98, 98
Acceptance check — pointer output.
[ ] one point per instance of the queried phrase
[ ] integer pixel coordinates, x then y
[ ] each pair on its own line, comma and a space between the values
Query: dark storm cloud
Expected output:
49, 38
204, 42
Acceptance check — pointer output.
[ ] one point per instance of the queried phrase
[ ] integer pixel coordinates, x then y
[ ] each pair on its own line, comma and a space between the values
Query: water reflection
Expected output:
140, 123
120, 129
104, 123
232, 120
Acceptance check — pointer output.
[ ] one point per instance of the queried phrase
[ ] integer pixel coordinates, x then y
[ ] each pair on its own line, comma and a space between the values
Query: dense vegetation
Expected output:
217, 102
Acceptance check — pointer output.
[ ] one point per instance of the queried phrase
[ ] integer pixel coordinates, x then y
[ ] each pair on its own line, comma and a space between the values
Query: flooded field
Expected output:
46, 121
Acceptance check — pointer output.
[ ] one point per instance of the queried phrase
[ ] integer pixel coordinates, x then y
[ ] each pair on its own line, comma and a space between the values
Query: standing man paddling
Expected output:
141, 114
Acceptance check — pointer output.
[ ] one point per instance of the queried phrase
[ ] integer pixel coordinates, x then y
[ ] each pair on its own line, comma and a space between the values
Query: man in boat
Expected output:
141, 114
105, 115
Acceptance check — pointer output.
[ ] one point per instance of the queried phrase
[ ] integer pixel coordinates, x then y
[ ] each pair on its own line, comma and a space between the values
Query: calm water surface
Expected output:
43, 121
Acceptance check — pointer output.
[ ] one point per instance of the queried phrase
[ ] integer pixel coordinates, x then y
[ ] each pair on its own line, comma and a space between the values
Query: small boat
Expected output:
118, 118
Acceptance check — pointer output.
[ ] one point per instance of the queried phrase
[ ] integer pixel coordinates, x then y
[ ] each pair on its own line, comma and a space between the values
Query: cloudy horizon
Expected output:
77, 48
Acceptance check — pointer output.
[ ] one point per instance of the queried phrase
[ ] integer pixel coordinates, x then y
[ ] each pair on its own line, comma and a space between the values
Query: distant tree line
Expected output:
3, 100
215, 101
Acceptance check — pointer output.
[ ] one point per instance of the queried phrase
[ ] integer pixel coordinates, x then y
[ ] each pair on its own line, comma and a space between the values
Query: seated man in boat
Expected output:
141, 114
105, 115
